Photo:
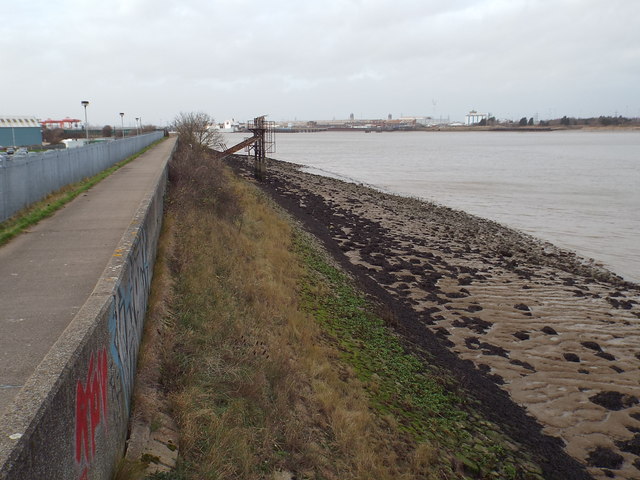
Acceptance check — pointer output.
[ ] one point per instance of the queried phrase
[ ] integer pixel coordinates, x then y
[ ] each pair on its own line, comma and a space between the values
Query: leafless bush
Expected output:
201, 182
53, 135
196, 130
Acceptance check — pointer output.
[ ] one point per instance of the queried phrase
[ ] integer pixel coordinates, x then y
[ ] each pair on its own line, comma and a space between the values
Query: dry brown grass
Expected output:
257, 387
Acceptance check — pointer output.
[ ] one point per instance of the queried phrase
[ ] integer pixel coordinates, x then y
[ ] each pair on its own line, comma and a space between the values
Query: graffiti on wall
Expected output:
127, 317
91, 409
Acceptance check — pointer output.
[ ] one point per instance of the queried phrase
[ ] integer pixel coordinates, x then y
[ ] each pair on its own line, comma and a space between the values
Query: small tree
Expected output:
531, 122
53, 136
107, 131
523, 122
196, 129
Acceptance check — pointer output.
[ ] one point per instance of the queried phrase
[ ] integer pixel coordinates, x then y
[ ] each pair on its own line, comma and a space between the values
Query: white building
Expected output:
473, 117
229, 126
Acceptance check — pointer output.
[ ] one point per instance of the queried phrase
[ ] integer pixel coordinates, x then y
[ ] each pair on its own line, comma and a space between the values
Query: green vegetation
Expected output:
424, 401
38, 211
275, 364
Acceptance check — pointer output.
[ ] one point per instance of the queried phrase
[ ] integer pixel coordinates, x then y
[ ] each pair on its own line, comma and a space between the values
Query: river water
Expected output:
577, 189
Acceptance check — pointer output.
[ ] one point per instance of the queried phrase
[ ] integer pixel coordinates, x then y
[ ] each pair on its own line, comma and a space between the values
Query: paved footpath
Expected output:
48, 273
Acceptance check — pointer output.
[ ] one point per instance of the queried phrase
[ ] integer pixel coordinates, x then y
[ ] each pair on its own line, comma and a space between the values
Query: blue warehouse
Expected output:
16, 131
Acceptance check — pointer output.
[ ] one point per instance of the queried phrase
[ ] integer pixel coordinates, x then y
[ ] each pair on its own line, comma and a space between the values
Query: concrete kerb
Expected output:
70, 419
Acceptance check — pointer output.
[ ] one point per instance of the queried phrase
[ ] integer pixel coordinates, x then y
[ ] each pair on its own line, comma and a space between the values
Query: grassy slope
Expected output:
277, 363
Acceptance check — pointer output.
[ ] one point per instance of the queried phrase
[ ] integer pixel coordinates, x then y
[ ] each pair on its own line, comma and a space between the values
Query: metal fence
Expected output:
28, 178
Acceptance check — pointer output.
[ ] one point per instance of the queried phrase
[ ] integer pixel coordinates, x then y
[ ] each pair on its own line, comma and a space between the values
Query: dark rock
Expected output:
606, 356
489, 349
616, 369
591, 346
549, 331
604, 458
614, 303
442, 332
476, 324
635, 415
585, 372
474, 308
446, 342
614, 400
456, 294
522, 307
484, 368
571, 357
631, 446
472, 343
522, 364
521, 335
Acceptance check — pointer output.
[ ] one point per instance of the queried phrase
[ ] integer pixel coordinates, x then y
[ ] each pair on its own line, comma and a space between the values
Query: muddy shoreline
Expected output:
548, 342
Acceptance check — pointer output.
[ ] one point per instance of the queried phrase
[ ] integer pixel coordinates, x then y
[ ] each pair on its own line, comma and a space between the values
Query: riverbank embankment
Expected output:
276, 366
511, 314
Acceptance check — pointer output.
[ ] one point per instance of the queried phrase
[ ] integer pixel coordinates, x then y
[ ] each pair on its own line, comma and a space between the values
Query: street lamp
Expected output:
137, 131
86, 124
122, 122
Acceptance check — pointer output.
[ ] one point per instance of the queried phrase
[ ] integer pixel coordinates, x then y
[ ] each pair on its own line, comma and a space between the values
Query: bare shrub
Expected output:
196, 130
201, 181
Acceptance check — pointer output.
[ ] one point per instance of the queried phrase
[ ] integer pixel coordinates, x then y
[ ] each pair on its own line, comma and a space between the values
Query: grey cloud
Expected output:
313, 59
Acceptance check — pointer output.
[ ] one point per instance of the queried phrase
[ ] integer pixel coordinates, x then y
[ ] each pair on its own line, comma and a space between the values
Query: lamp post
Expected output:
86, 124
137, 130
122, 122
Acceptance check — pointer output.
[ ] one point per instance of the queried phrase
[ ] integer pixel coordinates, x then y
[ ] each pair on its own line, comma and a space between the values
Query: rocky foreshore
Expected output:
542, 336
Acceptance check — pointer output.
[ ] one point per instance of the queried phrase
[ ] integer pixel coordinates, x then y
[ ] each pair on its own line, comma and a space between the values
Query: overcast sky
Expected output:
310, 59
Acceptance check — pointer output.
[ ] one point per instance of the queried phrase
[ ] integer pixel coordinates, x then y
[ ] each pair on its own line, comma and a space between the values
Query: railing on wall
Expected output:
29, 178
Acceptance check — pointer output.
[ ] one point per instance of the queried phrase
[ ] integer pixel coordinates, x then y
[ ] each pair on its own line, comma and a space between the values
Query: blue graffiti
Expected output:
126, 319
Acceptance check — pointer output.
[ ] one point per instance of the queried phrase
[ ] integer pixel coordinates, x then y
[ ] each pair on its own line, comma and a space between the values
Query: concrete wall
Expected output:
72, 423
29, 178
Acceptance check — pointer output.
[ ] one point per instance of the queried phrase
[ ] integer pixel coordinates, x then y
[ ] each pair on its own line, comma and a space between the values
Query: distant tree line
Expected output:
604, 121
55, 136
601, 121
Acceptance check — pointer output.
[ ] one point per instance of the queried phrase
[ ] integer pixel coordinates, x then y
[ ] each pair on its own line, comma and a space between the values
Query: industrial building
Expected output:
19, 131
473, 117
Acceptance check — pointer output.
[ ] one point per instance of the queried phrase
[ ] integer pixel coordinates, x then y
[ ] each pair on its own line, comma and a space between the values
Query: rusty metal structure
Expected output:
262, 142
265, 143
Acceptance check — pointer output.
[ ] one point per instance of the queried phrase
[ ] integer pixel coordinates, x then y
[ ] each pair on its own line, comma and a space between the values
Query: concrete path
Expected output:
47, 274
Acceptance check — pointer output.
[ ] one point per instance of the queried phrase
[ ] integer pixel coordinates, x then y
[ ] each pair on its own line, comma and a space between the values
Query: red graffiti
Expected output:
91, 407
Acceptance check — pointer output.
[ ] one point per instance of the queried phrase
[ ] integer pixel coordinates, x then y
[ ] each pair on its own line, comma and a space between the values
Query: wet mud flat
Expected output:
548, 341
